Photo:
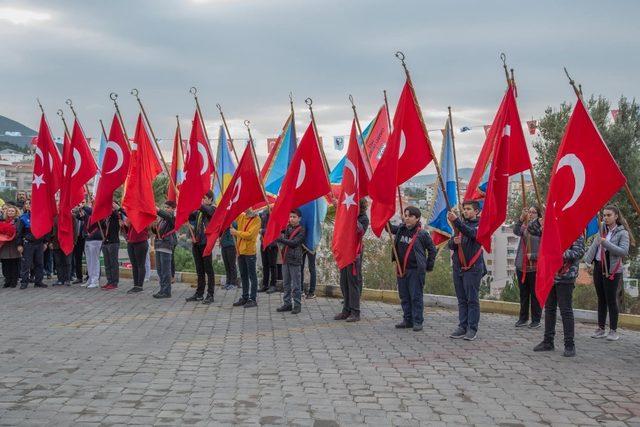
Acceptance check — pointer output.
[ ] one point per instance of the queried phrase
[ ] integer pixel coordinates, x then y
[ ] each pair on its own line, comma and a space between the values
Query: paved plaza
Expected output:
90, 357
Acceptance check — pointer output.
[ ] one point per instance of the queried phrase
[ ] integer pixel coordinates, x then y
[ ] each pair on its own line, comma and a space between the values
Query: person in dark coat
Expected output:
292, 239
416, 255
198, 220
529, 228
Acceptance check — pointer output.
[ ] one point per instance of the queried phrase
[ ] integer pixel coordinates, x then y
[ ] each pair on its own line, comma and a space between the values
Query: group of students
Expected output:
414, 254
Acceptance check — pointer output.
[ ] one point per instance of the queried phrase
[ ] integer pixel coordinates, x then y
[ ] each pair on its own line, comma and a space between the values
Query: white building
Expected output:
501, 263
12, 156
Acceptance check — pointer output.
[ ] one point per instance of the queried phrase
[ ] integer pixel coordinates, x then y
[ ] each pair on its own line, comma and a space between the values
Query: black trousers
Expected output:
63, 265
138, 254
269, 266
229, 260
528, 297
561, 296
351, 287
10, 272
311, 257
204, 266
607, 291
111, 266
32, 257
78, 251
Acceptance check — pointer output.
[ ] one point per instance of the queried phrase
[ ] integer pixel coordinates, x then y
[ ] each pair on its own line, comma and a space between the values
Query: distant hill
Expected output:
12, 127
463, 174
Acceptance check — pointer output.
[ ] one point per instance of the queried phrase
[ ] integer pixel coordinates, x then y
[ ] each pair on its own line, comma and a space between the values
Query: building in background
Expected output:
501, 263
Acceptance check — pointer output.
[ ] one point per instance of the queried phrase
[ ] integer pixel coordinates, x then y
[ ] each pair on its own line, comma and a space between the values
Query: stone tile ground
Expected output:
89, 357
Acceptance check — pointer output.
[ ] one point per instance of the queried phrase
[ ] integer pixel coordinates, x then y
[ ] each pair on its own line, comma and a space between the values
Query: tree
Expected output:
622, 136
439, 281
485, 287
511, 292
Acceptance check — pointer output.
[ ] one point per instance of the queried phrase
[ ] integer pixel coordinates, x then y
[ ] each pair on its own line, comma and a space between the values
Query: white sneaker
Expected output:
93, 286
613, 336
599, 333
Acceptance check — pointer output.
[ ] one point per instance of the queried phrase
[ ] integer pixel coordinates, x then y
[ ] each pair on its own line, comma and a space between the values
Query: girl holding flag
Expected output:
606, 253
529, 228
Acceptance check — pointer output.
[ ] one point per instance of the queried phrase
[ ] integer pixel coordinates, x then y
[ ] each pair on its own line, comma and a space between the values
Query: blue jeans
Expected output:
163, 267
410, 288
467, 287
248, 275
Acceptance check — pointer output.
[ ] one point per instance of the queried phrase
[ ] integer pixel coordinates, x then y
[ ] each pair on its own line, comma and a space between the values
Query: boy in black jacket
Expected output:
111, 246
468, 269
292, 238
416, 255
199, 220
164, 244
32, 250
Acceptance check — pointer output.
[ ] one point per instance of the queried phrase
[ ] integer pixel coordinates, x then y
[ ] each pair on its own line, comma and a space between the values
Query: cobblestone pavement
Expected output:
73, 355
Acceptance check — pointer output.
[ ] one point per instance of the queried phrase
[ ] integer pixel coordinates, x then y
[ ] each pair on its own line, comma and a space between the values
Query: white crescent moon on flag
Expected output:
301, 174
577, 168
348, 165
77, 160
39, 154
236, 192
119, 154
205, 163
403, 144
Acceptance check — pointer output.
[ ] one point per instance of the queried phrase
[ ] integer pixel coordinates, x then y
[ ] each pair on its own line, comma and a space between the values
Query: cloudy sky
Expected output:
249, 54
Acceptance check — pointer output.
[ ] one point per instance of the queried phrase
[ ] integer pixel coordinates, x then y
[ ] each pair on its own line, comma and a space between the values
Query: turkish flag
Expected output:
138, 200
306, 180
377, 136
197, 169
519, 160
244, 190
407, 153
47, 171
511, 137
79, 168
115, 166
355, 181
584, 178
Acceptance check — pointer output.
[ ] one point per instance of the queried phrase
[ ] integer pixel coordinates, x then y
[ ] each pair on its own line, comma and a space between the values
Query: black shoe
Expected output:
250, 304
458, 333
569, 351
40, 285
160, 295
416, 328
284, 308
135, 290
24, 285
521, 323
353, 318
272, 290
544, 346
75, 282
404, 325
67, 283
240, 302
263, 289
58, 283
193, 298
534, 325
341, 316
296, 309
208, 300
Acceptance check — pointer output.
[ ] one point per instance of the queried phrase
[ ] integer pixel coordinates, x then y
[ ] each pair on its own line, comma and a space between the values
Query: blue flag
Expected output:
438, 221
313, 215
592, 227
335, 177
103, 148
277, 163
224, 165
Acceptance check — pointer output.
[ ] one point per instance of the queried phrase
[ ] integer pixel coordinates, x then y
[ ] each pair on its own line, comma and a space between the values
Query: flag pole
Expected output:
193, 237
325, 165
387, 227
511, 82
386, 104
226, 128
193, 91
135, 92
627, 189
436, 163
114, 96
455, 158
247, 123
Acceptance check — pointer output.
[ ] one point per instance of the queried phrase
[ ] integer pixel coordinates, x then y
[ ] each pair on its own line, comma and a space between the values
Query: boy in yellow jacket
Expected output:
246, 234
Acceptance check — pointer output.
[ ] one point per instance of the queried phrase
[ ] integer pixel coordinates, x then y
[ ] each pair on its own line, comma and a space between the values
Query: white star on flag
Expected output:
349, 200
37, 180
